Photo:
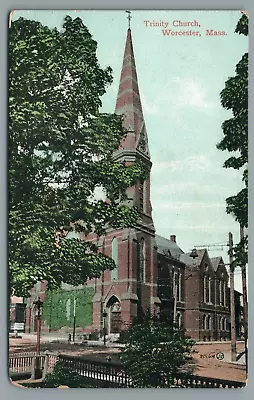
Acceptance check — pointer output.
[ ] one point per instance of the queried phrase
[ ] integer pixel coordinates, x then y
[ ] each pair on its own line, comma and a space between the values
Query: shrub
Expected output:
155, 354
63, 374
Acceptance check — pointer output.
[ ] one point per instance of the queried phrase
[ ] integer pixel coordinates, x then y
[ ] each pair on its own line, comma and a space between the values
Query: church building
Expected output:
153, 273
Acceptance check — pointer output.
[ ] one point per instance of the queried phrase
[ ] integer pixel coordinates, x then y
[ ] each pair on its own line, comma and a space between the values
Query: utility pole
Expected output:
232, 298
245, 304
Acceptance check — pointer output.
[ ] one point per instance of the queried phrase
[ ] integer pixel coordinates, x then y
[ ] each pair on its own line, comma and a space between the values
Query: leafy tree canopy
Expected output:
156, 353
234, 97
60, 153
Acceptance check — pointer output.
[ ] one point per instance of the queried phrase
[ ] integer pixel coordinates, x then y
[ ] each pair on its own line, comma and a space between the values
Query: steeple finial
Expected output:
129, 18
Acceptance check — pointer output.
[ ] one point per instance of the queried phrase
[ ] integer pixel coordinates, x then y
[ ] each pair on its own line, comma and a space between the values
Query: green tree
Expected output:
234, 97
60, 153
156, 353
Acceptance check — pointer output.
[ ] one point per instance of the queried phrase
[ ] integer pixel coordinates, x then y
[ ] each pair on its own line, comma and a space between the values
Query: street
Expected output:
205, 358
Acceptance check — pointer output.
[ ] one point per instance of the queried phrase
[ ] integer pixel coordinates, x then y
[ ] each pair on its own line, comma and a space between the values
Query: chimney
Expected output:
173, 238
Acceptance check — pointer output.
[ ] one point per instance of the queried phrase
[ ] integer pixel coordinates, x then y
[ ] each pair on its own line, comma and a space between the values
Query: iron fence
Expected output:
113, 373
107, 373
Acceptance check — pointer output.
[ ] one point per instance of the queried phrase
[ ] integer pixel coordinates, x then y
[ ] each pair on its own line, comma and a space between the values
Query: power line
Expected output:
213, 246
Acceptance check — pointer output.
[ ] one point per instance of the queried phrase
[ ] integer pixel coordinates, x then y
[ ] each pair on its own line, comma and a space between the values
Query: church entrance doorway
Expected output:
113, 319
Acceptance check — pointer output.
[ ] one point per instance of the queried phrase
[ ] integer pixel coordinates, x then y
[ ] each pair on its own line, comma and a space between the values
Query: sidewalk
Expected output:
50, 338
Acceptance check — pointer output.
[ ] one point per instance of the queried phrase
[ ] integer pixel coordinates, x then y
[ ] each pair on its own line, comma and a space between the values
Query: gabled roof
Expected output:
186, 259
216, 261
168, 247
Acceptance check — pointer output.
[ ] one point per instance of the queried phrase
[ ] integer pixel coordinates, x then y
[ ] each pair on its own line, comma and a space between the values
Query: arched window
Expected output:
141, 260
205, 287
209, 289
180, 286
175, 284
114, 272
220, 292
179, 320
225, 293
144, 260
221, 323
204, 322
209, 322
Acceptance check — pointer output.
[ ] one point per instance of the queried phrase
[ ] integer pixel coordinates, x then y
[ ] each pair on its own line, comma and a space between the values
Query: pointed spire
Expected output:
128, 99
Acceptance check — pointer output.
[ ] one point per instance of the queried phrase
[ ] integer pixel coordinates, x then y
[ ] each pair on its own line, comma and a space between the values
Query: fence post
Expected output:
33, 368
46, 363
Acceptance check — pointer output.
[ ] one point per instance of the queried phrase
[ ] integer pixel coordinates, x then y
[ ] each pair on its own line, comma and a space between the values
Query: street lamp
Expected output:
104, 327
39, 305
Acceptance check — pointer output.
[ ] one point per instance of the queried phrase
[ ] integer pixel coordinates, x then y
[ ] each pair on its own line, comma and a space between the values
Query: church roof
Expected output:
168, 247
129, 102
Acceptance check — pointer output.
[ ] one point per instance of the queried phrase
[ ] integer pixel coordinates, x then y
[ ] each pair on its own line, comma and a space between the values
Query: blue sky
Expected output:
180, 79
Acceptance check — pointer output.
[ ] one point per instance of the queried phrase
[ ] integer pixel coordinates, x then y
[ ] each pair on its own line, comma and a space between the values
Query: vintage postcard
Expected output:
128, 206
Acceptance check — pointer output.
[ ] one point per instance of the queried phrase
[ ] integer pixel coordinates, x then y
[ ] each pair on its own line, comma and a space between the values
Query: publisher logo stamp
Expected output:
220, 356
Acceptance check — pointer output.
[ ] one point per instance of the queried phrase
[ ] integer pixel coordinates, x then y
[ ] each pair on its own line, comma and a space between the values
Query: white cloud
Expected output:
176, 95
192, 164
190, 92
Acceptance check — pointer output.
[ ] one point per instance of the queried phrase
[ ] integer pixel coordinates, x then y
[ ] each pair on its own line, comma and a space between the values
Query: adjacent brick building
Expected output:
206, 300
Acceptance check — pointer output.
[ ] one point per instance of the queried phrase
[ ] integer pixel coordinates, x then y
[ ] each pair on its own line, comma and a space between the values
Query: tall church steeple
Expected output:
133, 287
129, 103
135, 145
